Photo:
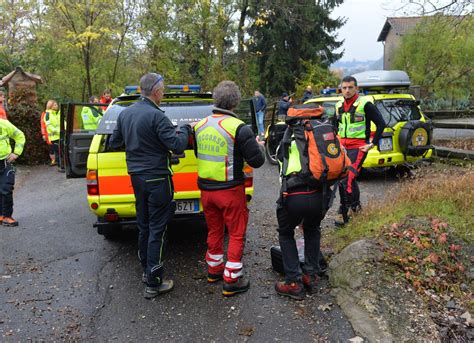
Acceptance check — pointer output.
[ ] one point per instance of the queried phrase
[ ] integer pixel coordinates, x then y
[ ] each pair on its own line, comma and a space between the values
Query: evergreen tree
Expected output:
288, 33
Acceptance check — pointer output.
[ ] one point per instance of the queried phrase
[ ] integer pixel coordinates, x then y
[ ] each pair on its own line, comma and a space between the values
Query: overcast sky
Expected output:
365, 19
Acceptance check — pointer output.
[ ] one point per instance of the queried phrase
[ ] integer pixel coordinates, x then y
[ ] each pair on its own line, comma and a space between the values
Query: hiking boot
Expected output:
9, 221
310, 282
144, 278
356, 208
231, 289
154, 291
213, 278
294, 290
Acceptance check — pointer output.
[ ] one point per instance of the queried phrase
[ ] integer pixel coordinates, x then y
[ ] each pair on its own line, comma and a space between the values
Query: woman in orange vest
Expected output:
44, 132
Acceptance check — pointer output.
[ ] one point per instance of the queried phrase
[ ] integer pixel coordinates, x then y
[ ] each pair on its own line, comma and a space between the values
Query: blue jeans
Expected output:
155, 208
260, 116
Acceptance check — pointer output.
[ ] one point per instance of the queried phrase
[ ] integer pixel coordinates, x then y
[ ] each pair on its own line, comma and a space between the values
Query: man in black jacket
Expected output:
149, 136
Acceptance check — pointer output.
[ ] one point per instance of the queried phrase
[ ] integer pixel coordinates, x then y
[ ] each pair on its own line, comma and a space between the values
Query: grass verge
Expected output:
441, 192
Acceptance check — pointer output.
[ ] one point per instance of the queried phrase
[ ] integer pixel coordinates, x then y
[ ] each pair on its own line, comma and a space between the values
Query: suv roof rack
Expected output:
382, 79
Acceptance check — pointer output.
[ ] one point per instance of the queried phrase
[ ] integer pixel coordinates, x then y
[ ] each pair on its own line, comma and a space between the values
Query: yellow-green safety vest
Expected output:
52, 121
215, 139
294, 162
90, 118
352, 125
9, 131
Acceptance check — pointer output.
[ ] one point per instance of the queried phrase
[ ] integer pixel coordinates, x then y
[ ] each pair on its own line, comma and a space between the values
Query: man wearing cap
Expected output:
149, 136
283, 105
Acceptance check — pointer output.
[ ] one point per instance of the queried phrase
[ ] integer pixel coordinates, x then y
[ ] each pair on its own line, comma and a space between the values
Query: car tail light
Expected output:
94, 206
381, 161
92, 183
248, 176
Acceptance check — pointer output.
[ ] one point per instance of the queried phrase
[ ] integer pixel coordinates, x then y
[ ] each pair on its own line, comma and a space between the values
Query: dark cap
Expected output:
284, 94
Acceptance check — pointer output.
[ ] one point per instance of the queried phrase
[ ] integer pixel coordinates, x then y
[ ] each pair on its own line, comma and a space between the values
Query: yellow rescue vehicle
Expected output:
407, 138
109, 189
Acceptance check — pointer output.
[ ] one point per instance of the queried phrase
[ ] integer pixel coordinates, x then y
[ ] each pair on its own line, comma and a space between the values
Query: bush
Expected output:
25, 115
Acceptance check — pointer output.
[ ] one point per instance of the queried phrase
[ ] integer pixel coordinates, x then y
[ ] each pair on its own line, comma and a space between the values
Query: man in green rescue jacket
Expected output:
354, 115
7, 171
91, 116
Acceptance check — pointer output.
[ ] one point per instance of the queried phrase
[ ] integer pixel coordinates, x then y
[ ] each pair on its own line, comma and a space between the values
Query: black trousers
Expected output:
293, 210
7, 183
57, 154
349, 187
155, 208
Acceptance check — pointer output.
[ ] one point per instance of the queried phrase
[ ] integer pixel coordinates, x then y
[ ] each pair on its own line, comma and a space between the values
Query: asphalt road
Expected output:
60, 280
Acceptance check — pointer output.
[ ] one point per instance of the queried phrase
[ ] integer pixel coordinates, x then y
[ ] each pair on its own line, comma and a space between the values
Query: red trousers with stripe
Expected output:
225, 208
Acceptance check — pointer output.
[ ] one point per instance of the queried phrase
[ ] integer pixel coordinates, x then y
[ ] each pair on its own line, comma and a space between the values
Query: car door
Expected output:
246, 112
78, 121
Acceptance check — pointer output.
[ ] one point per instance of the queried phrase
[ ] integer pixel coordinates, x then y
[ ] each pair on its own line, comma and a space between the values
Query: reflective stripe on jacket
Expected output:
9, 131
352, 124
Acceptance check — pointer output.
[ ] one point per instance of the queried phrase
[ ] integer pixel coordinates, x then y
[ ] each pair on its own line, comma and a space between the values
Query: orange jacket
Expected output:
3, 113
44, 131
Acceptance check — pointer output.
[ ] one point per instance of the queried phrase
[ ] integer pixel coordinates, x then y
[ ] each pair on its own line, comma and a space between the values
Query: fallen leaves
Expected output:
325, 307
247, 331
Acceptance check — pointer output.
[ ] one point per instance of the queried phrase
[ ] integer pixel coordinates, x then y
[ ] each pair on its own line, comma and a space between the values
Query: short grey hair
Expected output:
151, 81
226, 95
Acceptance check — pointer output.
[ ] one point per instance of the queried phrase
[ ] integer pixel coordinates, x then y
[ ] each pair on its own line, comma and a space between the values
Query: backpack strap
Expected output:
285, 145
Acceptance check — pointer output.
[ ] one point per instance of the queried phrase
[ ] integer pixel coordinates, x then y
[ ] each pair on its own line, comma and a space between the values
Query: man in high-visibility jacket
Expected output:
7, 171
354, 115
223, 143
91, 116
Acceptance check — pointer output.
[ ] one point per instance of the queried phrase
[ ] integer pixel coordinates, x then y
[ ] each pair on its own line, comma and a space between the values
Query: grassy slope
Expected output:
443, 192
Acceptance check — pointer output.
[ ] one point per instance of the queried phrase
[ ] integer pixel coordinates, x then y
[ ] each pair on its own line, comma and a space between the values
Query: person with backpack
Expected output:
311, 159
353, 117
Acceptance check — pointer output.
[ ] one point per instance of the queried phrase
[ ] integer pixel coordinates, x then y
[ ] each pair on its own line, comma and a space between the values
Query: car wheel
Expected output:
415, 138
270, 152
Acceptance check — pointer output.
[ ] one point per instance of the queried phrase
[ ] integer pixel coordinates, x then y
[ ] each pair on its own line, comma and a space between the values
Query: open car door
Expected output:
246, 112
78, 125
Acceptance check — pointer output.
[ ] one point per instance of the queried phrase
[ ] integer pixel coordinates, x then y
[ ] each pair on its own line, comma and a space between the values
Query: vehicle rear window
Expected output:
179, 114
397, 110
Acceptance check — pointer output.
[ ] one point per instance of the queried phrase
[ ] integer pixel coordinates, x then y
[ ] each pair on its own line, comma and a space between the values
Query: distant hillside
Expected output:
344, 68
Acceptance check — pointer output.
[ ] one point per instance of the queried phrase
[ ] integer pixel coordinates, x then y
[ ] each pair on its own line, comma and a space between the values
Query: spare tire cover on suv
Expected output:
415, 138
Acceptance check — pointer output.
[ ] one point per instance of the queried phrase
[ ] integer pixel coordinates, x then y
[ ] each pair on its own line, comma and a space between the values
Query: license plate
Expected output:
385, 144
187, 206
